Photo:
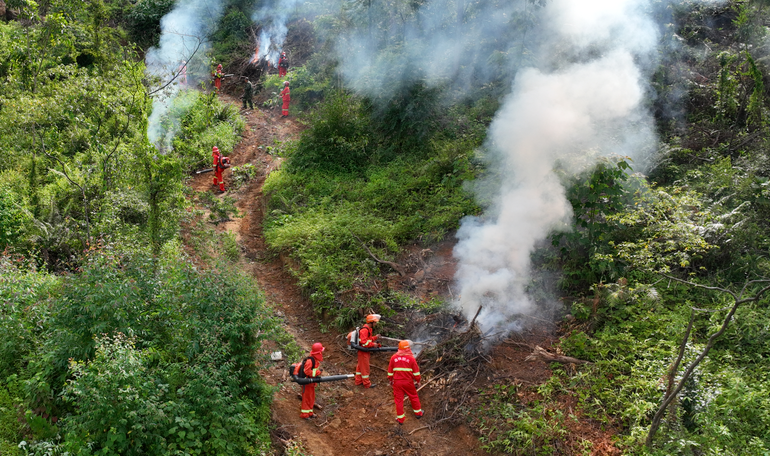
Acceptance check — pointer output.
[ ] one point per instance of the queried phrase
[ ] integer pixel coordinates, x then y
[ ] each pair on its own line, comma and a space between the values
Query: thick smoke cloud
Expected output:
550, 117
273, 15
183, 37
584, 100
453, 43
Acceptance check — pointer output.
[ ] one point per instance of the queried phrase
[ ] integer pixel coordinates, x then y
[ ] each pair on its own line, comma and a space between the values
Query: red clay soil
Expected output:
355, 421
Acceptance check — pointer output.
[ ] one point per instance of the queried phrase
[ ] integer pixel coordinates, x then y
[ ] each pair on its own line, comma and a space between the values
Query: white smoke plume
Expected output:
273, 16
456, 44
182, 42
584, 100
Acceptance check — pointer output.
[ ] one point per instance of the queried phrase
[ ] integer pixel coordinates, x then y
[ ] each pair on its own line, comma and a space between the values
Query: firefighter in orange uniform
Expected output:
285, 95
283, 65
220, 164
218, 75
367, 339
310, 366
404, 377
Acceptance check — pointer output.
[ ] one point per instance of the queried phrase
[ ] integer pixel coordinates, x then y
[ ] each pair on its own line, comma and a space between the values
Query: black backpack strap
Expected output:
301, 372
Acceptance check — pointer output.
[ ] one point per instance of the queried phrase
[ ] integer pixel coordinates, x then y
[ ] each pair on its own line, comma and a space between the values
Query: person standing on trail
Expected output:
404, 377
286, 96
310, 366
248, 94
366, 339
283, 65
220, 164
218, 75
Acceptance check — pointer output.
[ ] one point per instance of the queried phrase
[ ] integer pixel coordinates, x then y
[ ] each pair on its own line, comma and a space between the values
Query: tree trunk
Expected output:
670, 396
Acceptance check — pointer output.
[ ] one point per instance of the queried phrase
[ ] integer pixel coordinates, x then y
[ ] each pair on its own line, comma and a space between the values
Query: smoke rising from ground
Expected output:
582, 101
183, 38
559, 116
274, 16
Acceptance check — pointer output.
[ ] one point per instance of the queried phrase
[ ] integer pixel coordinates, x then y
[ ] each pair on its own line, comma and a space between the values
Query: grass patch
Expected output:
320, 217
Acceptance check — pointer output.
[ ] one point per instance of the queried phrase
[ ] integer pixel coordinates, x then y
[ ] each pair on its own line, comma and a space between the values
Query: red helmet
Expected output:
219, 67
317, 348
215, 149
372, 318
283, 53
404, 344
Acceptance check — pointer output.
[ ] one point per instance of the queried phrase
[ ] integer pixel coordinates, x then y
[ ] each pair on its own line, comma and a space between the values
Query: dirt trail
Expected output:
353, 421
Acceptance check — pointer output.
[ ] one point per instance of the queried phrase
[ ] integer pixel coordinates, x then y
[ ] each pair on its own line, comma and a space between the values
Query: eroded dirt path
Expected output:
353, 421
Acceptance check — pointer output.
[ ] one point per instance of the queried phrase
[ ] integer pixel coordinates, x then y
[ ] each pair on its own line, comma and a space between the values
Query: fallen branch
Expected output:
366, 429
429, 381
541, 354
464, 396
396, 266
474, 318
520, 344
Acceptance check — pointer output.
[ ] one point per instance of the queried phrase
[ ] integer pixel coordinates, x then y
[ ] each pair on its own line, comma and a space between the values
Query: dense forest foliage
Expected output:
116, 337
121, 335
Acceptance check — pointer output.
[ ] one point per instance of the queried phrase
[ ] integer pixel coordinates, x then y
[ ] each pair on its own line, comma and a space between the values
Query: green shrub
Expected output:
315, 214
148, 355
230, 248
24, 314
221, 208
337, 139
509, 426
144, 20
13, 218
11, 429
231, 40
242, 175
205, 122
120, 408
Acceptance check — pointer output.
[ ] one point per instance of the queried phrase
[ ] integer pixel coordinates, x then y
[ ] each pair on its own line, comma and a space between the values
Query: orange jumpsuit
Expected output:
218, 168
218, 75
403, 373
285, 95
283, 66
365, 339
308, 391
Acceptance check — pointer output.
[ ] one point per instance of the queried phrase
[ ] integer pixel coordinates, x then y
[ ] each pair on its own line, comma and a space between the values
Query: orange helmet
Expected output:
404, 344
372, 318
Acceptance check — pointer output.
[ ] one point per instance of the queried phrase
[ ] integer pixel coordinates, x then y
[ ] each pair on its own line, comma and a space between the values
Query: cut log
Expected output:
542, 354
